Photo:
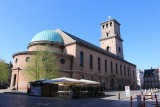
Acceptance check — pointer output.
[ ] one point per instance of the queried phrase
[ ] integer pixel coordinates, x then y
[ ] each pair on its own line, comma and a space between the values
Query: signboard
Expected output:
127, 91
35, 90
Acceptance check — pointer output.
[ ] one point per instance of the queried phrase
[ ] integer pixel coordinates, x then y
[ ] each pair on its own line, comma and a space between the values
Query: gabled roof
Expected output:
149, 72
94, 47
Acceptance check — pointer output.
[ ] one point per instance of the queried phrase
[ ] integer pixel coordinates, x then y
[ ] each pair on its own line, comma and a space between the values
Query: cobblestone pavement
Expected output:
20, 99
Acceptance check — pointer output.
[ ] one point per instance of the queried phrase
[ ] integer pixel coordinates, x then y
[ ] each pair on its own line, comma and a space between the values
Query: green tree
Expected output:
41, 65
4, 72
50, 68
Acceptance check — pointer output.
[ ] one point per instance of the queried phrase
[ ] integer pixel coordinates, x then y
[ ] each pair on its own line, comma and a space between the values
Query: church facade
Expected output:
79, 59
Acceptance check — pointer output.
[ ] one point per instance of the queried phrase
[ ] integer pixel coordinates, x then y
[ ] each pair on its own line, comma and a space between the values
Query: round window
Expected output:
62, 61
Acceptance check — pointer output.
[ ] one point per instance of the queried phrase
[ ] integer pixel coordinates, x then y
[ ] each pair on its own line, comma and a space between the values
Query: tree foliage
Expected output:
41, 65
4, 72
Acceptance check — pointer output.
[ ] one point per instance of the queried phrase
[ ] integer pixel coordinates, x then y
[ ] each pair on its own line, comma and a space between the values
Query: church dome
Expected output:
49, 36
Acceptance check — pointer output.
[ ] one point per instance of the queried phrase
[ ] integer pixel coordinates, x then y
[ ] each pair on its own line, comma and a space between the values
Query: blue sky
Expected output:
20, 20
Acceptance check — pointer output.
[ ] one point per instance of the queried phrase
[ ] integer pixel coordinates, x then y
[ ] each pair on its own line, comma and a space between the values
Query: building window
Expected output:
16, 60
62, 61
133, 73
81, 58
99, 63
103, 26
111, 67
149, 79
91, 61
27, 59
108, 49
106, 25
124, 71
145, 78
116, 68
149, 83
117, 33
119, 49
107, 34
128, 71
121, 69
105, 65
111, 24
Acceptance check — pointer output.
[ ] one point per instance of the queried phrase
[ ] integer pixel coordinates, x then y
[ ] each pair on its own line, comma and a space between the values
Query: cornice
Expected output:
33, 52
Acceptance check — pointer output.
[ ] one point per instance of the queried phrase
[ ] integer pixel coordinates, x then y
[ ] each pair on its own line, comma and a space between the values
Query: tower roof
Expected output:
112, 20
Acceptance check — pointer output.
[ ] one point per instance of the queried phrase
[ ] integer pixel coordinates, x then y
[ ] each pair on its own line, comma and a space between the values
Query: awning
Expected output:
64, 81
88, 81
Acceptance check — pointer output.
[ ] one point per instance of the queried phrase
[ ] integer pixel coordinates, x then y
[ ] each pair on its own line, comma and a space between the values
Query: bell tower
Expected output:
111, 40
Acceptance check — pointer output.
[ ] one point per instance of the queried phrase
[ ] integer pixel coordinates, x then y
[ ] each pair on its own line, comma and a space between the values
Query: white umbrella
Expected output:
88, 81
64, 81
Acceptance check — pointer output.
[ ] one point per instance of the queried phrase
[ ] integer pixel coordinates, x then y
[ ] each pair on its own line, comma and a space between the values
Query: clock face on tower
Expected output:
62, 61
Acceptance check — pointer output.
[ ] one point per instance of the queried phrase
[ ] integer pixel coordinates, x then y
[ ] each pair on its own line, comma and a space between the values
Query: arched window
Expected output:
99, 63
105, 65
111, 24
119, 49
116, 68
121, 69
106, 25
111, 67
108, 48
27, 59
16, 60
81, 58
128, 71
91, 61
124, 71
107, 34
103, 26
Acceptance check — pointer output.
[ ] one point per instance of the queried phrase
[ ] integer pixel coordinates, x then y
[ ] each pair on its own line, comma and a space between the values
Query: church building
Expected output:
79, 59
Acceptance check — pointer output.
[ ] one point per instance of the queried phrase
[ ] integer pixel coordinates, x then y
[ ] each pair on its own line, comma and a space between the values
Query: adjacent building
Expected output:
152, 78
78, 58
140, 75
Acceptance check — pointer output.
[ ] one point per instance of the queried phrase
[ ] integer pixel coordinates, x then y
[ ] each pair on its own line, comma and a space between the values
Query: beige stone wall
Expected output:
22, 78
65, 37
111, 43
71, 50
86, 71
20, 61
119, 44
67, 65
43, 47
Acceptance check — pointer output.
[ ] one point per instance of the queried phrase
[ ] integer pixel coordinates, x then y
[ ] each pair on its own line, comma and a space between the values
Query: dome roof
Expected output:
48, 35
